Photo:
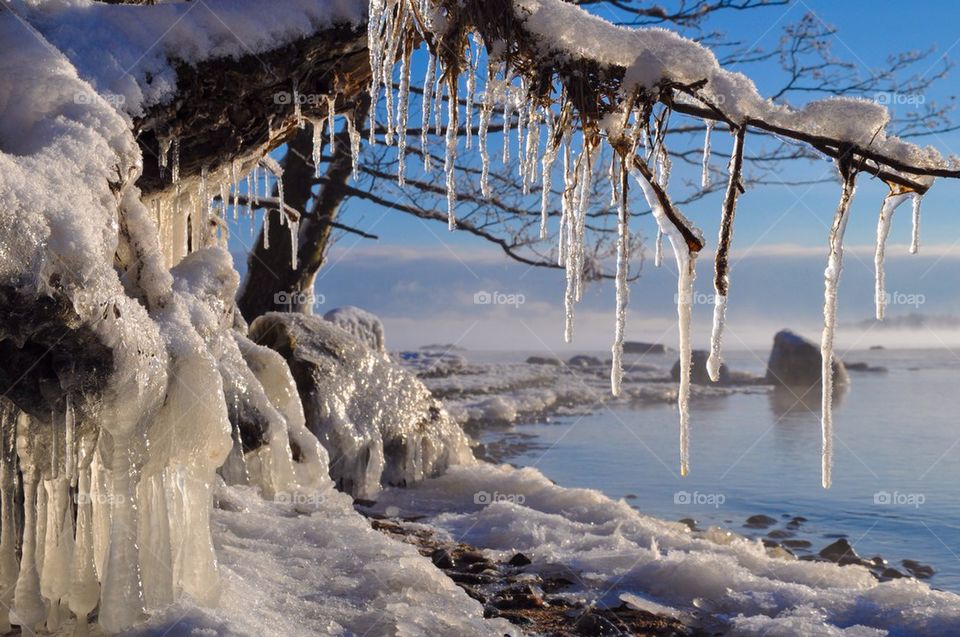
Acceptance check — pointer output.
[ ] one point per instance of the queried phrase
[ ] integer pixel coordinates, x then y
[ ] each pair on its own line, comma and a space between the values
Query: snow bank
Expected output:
128, 53
323, 572
729, 582
379, 423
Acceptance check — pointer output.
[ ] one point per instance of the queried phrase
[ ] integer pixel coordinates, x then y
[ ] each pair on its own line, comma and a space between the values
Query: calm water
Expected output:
896, 480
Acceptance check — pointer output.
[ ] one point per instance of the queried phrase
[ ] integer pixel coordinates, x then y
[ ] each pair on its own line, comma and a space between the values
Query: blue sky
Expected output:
421, 278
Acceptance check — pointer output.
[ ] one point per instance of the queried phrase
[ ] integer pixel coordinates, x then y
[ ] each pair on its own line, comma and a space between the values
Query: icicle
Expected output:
533, 147
915, 238
658, 248
471, 89
686, 268
235, 188
294, 243
831, 277
402, 115
721, 281
523, 121
486, 110
69, 426
427, 107
163, 159
354, 135
175, 161
623, 291
451, 155
84, 587
266, 228
317, 146
331, 123
297, 107
438, 105
8, 504
664, 165
705, 175
27, 602
890, 203
507, 115
376, 13
549, 157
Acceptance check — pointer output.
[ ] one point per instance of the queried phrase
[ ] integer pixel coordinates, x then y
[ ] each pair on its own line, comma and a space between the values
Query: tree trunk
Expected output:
271, 284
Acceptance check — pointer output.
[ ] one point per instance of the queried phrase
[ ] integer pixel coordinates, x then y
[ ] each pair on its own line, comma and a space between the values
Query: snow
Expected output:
362, 325
126, 52
729, 583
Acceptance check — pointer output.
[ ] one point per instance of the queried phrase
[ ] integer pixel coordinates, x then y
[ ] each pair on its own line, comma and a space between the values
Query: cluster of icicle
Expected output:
195, 216
540, 142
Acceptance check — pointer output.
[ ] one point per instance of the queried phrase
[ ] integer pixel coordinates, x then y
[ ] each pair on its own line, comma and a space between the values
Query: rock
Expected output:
698, 371
638, 347
362, 325
544, 360
690, 523
472, 557
378, 422
759, 522
582, 361
795, 362
441, 558
780, 534
518, 597
797, 544
864, 367
795, 522
918, 570
877, 347
841, 552
595, 625
891, 573
519, 560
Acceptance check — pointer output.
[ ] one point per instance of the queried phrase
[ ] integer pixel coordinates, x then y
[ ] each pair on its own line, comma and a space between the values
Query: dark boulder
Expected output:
698, 371
795, 362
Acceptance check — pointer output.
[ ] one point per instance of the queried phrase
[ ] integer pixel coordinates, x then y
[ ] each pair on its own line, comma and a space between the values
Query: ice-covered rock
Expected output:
379, 423
363, 325
795, 362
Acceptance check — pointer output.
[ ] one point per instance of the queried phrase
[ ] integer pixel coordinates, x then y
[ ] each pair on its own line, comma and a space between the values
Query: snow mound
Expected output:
379, 423
731, 585
362, 325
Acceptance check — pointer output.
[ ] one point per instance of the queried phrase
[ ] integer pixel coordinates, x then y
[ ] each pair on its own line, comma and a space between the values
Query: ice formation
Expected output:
380, 424
362, 325
890, 204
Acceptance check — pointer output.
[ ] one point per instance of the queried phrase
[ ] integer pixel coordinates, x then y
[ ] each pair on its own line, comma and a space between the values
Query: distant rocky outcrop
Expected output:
795, 362
638, 347
698, 372
582, 360
544, 360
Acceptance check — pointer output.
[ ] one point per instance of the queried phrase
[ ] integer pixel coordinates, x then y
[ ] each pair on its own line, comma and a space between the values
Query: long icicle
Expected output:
486, 110
685, 241
705, 172
403, 107
549, 157
831, 277
721, 279
623, 290
890, 203
451, 155
427, 107
915, 238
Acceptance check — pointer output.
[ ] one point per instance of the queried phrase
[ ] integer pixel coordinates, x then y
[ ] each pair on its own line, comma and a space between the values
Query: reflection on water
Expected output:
791, 402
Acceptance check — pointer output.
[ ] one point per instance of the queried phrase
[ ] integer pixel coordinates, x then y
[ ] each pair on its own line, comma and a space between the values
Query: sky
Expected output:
430, 285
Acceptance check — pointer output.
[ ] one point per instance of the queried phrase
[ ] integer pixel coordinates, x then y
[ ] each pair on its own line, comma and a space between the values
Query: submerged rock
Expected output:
698, 372
795, 362
379, 423
637, 347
